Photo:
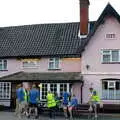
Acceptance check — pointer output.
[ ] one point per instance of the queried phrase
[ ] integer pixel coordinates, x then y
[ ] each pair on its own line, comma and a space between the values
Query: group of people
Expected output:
68, 103
27, 99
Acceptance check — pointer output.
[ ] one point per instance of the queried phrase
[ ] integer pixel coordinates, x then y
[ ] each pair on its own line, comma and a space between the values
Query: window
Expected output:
3, 64
110, 36
58, 88
5, 90
54, 63
30, 64
110, 56
111, 90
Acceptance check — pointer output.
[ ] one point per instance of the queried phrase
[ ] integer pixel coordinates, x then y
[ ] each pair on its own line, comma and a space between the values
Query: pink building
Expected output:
101, 57
70, 57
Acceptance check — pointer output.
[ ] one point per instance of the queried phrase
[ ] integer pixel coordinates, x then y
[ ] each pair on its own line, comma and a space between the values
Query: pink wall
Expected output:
92, 57
66, 65
92, 53
76, 90
13, 67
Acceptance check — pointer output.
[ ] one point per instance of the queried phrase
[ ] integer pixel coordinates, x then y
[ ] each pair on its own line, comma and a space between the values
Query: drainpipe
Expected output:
82, 93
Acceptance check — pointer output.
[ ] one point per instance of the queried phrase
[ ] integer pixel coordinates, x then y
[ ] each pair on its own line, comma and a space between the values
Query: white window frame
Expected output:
110, 53
3, 64
108, 89
4, 93
109, 84
58, 88
54, 62
35, 64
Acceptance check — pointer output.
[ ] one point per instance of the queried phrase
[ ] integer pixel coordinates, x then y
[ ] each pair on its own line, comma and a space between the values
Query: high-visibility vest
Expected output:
50, 100
25, 95
95, 98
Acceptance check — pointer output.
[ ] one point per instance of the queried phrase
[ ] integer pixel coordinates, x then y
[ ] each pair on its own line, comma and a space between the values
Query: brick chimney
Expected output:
84, 17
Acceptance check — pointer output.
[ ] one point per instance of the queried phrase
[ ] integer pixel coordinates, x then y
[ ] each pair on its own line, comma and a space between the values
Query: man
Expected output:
17, 99
51, 104
22, 100
33, 100
66, 96
73, 103
95, 99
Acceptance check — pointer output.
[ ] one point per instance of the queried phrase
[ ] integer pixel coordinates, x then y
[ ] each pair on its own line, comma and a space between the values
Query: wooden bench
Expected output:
80, 110
111, 108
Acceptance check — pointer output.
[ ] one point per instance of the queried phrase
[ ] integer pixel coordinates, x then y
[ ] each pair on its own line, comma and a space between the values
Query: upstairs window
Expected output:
54, 63
110, 56
110, 36
3, 64
30, 63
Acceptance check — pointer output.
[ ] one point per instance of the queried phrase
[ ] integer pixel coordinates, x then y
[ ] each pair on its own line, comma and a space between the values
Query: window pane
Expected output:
57, 64
51, 65
106, 58
106, 51
115, 56
28, 64
5, 64
0, 66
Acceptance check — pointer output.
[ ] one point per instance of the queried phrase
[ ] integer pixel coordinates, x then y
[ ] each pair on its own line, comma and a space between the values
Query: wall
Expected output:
92, 57
66, 65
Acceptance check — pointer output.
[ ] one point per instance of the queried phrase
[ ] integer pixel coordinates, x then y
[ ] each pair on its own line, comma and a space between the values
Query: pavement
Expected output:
11, 116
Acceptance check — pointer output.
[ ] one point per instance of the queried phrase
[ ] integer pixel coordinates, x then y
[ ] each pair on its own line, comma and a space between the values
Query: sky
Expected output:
24, 12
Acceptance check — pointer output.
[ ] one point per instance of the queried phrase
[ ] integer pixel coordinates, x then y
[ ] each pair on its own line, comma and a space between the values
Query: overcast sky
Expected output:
23, 12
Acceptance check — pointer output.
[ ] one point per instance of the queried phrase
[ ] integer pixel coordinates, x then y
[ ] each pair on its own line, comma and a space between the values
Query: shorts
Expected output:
65, 106
33, 105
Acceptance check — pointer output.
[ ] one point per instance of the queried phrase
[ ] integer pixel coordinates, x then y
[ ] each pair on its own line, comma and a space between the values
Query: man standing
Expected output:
33, 100
66, 96
22, 100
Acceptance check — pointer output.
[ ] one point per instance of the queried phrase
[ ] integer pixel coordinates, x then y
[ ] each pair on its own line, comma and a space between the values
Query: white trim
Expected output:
68, 87
48, 86
114, 83
100, 73
40, 93
54, 61
110, 54
58, 89
83, 36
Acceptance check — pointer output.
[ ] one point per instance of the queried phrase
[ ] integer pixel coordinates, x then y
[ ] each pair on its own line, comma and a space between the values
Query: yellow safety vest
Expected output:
25, 95
95, 98
51, 100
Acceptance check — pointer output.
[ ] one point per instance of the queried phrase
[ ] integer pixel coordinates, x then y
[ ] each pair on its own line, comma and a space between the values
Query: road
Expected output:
11, 116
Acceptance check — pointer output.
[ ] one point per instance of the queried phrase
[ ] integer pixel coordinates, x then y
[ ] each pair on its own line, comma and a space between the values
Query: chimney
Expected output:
84, 14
